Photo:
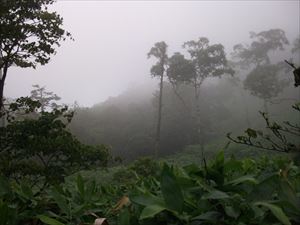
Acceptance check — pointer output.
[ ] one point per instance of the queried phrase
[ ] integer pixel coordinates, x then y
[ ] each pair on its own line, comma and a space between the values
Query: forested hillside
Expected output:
207, 131
127, 122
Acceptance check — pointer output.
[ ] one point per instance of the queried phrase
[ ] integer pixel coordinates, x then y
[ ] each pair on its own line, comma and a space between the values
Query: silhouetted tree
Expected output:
180, 71
47, 99
159, 51
262, 81
282, 137
257, 53
208, 61
28, 35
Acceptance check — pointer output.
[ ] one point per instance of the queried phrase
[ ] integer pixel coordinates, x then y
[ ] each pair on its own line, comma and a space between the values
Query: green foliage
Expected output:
143, 167
225, 191
81, 201
18, 203
264, 191
38, 146
29, 32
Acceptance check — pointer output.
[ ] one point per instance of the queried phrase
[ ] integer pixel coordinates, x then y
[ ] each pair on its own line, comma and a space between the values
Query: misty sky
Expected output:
112, 39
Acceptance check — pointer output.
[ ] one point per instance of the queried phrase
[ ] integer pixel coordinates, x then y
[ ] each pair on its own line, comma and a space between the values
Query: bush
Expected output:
38, 147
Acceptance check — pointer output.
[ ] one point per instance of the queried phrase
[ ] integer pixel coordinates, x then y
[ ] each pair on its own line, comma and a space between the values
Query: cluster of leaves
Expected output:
39, 147
231, 191
28, 32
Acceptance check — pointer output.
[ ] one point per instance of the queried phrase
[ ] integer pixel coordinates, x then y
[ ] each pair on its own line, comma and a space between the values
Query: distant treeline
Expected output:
127, 122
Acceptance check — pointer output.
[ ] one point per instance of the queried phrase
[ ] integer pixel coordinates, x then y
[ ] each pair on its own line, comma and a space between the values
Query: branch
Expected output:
256, 145
291, 64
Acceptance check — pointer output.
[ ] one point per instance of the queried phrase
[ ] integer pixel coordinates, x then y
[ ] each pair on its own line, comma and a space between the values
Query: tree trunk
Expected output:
198, 122
266, 110
1, 89
2, 81
157, 138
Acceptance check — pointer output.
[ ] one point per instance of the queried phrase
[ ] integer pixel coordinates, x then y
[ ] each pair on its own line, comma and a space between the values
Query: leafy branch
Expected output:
278, 142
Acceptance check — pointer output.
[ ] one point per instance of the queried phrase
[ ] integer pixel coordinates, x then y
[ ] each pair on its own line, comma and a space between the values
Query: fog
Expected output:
150, 112
112, 39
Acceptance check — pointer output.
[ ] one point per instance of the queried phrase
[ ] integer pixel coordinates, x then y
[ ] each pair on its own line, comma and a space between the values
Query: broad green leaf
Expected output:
171, 190
151, 211
264, 190
243, 179
215, 194
248, 164
232, 165
277, 212
80, 185
27, 191
220, 158
78, 210
147, 199
232, 212
258, 212
211, 216
90, 190
48, 220
60, 200
124, 217
287, 193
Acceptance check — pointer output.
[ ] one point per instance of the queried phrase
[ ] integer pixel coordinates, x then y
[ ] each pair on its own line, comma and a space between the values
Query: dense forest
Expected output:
214, 139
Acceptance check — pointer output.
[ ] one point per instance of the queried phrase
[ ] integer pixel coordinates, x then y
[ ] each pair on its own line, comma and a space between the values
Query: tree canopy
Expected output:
29, 34
264, 81
263, 43
40, 148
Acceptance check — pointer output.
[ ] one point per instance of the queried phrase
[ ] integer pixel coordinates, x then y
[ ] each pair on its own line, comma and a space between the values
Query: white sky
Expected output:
112, 39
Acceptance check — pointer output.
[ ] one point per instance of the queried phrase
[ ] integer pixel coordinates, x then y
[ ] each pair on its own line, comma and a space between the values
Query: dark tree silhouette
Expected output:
208, 61
28, 35
159, 51
263, 79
